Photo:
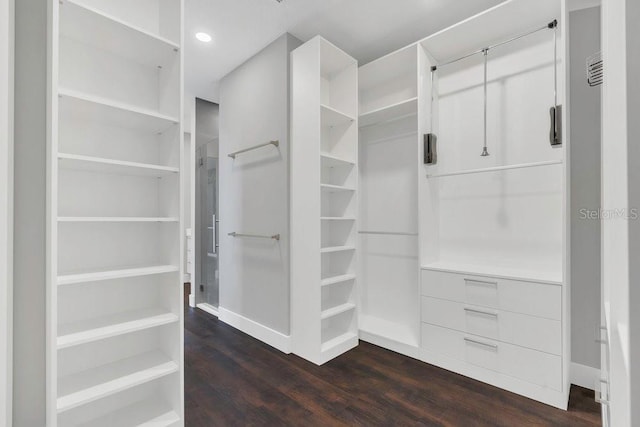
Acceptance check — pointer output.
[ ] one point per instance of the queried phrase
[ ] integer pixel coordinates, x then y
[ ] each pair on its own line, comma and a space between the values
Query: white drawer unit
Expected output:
526, 297
532, 366
505, 331
520, 329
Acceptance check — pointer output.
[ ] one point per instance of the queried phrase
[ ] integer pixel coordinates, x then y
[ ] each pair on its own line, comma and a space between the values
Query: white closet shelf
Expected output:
333, 280
515, 273
331, 161
334, 249
337, 341
330, 188
142, 414
334, 311
102, 31
500, 22
331, 117
87, 386
85, 331
91, 108
115, 219
393, 331
109, 166
122, 273
389, 112
337, 218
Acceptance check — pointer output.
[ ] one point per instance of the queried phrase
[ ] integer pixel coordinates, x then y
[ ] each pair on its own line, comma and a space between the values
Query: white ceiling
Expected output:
366, 29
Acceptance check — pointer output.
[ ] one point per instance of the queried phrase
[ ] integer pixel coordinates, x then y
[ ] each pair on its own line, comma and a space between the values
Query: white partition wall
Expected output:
324, 203
6, 210
115, 231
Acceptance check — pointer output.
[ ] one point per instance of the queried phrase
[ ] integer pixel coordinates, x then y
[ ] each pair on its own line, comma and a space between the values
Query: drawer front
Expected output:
535, 299
533, 366
514, 328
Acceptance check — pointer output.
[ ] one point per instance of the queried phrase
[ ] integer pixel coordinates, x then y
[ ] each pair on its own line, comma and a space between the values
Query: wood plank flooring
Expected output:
232, 379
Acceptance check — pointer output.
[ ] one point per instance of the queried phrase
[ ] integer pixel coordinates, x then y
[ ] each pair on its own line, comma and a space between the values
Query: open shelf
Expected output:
550, 277
109, 166
388, 113
329, 188
115, 219
389, 330
97, 276
142, 414
106, 32
86, 331
337, 249
334, 311
477, 32
331, 161
87, 386
91, 108
332, 117
333, 280
338, 341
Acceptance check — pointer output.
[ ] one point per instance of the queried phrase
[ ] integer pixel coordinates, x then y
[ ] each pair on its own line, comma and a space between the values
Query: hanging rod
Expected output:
498, 168
551, 25
255, 236
275, 143
388, 233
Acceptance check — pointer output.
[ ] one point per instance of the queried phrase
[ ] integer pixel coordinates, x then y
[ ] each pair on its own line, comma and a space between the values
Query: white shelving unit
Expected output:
115, 216
324, 206
390, 97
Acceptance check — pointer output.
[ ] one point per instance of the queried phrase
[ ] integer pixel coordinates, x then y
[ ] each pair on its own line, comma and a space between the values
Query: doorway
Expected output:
206, 278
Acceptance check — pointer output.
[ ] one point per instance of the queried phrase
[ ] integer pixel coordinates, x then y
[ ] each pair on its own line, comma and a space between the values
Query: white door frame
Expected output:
6, 209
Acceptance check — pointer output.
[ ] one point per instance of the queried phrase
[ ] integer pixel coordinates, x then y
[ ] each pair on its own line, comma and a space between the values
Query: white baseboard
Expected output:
209, 309
192, 301
263, 333
583, 376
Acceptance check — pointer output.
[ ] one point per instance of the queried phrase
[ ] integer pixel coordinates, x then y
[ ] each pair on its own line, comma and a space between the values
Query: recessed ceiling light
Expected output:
203, 37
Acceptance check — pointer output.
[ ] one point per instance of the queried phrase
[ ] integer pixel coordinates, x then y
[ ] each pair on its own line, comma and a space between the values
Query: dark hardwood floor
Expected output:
232, 379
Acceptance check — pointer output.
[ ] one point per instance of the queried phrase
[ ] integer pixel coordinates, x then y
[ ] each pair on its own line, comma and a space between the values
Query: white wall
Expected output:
30, 213
620, 189
6, 209
584, 39
254, 198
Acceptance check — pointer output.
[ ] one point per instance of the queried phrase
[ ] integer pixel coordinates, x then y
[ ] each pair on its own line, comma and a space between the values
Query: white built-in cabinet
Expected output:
114, 233
324, 202
463, 263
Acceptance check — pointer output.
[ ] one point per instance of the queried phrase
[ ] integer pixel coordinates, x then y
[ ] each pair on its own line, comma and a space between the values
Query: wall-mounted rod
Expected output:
497, 168
551, 25
274, 143
485, 152
388, 233
255, 236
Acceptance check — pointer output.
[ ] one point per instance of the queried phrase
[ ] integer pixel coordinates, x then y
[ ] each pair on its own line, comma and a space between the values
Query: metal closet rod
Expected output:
551, 25
255, 236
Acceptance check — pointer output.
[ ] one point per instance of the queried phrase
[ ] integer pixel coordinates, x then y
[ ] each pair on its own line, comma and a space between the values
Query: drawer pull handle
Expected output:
484, 313
484, 344
479, 282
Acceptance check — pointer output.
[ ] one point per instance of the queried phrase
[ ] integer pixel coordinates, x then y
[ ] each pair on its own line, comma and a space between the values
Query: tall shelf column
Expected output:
115, 352
324, 203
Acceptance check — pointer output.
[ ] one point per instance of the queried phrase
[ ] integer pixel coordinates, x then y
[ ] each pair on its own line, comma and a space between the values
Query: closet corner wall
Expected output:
114, 208
324, 201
